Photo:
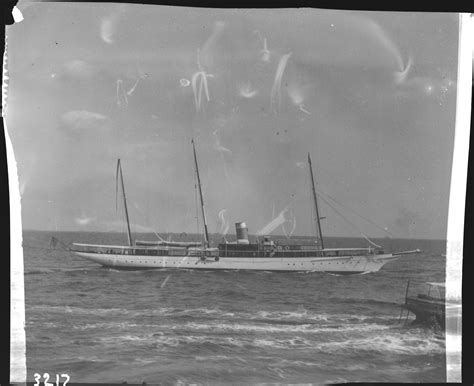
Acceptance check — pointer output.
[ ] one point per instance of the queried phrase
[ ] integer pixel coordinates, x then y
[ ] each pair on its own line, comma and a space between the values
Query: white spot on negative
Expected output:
17, 15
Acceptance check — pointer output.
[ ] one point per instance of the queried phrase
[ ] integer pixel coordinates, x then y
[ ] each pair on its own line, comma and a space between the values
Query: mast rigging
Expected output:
206, 235
315, 202
119, 169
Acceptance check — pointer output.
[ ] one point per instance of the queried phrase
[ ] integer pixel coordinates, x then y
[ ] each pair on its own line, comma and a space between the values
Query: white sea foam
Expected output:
166, 340
301, 321
78, 310
116, 311
335, 381
143, 361
201, 310
394, 343
161, 341
125, 338
284, 328
295, 363
49, 324
289, 315
281, 373
282, 343
214, 358
233, 327
107, 325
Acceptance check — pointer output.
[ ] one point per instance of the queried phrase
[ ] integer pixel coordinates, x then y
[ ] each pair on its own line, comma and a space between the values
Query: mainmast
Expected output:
119, 169
206, 235
315, 202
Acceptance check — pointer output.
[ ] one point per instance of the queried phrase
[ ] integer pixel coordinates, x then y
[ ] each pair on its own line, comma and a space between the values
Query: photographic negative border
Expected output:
455, 242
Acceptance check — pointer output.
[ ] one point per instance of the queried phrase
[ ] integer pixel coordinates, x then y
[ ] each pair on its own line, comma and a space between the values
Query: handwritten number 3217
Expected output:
46, 379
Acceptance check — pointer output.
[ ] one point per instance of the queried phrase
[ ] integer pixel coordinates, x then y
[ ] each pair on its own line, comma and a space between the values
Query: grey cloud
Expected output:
78, 68
85, 120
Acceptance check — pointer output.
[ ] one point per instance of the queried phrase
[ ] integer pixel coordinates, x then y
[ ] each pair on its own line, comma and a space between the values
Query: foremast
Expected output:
315, 198
206, 235
119, 172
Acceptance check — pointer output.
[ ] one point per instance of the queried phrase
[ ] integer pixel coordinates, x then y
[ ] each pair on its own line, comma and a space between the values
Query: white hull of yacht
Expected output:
339, 265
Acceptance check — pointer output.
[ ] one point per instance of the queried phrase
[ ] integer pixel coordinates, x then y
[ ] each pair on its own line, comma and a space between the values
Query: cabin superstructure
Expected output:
266, 247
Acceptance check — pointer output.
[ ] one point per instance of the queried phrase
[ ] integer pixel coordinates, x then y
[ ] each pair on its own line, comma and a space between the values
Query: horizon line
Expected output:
233, 235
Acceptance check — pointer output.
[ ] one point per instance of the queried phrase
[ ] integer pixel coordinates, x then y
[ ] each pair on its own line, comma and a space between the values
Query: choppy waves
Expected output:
219, 316
222, 327
262, 330
46, 271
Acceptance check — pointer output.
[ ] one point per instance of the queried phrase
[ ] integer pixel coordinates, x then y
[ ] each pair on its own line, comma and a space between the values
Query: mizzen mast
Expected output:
206, 235
119, 170
318, 222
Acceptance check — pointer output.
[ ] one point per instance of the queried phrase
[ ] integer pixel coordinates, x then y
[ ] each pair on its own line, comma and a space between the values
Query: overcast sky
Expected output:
371, 95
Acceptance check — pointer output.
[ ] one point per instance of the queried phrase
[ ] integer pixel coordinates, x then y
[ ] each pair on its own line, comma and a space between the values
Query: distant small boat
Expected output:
427, 301
265, 254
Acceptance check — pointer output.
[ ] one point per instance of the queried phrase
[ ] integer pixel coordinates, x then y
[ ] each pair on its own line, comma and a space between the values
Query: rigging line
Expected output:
158, 236
54, 241
206, 235
284, 231
321, 193
311, 213
32, 247
119, 169
315, 198
116, 188
349, 222
118, 209
196, 203
142, 214
46, 249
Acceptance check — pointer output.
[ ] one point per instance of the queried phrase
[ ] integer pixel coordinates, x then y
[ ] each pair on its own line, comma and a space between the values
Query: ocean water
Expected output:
213, 327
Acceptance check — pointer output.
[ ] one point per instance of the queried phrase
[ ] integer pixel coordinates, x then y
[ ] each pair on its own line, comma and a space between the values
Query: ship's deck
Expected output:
225, 250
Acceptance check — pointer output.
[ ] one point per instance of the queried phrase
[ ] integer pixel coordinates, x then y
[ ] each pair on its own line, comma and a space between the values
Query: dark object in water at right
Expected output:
427, 302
